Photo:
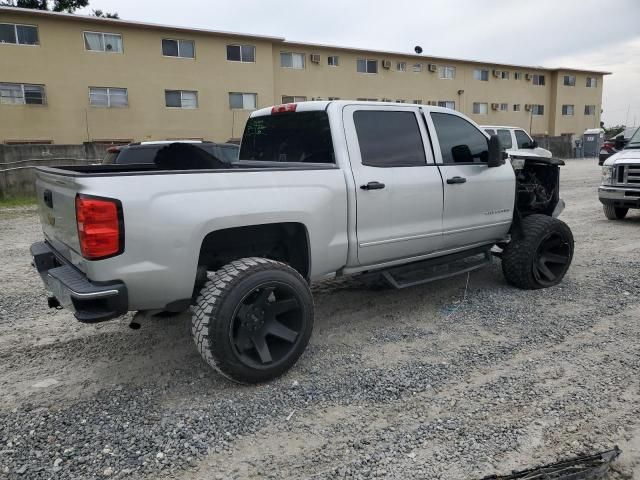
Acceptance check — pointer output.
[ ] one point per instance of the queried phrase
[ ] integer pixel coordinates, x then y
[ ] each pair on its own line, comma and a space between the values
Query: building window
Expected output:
241, 53
417, 67
592, 82
178, 48
480, 108
333, 61
567, 110
447, 104
108, 97
538, 79
292, 60
504, 107
18, 34
517, 76
293, 99
504, 75
243, 101
22, 94
480, 74
401, 66
569, 80
447, 72
367, 66
103, 42
589, 109
334, 98
400, 101
417, 102
537, 109
516, 107
181, 98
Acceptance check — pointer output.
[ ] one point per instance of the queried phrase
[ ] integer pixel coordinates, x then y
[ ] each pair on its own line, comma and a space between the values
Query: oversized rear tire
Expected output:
540, 256
253, 319
614, 213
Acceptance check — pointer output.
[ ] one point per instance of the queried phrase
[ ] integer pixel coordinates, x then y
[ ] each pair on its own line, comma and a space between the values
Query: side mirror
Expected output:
533, 144
496, 157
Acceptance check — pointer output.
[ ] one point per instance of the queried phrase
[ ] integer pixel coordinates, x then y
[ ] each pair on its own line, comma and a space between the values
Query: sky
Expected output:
589, 34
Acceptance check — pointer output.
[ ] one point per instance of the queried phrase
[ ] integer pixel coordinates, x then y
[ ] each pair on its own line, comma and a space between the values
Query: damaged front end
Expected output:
537, 185
588, 467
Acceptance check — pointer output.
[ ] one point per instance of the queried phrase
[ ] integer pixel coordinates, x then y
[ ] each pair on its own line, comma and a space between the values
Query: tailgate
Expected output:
56, 195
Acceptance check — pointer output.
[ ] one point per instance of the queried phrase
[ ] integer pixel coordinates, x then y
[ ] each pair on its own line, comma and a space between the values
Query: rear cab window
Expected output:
288, 137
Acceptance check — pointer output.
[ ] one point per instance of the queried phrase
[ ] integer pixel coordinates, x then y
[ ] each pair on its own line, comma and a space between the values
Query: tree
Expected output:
68, 6
100, 13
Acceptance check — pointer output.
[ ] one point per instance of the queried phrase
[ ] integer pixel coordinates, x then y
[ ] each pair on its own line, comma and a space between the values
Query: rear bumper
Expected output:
619, 196
90, 301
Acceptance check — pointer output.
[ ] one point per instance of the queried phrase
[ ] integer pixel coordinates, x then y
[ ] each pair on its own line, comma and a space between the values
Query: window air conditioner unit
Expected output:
497, 73
527, 107
527, 76
315, 57
386, 64
433, 67
495, 106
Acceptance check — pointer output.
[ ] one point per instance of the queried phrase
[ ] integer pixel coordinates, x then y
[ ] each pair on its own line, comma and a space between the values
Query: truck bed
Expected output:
151, 169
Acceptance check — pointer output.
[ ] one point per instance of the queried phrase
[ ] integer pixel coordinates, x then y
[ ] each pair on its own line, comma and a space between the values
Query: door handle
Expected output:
456, 180
47, 196
372, 186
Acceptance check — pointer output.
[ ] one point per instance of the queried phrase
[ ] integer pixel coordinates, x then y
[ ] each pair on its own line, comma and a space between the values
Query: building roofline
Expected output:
437, 58
282, 40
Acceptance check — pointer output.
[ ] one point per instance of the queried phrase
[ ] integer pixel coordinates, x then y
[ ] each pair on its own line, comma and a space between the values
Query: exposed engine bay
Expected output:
537, 184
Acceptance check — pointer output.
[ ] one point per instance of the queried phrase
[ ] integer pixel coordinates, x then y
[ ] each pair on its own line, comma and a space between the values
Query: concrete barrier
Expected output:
17, 163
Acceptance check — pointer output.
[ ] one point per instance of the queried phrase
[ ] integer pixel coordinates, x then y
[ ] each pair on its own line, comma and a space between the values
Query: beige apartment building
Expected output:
68, 79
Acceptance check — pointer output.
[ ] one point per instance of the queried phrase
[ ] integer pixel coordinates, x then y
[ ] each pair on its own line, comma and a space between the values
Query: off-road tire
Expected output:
614, 213
213, 316
521, 254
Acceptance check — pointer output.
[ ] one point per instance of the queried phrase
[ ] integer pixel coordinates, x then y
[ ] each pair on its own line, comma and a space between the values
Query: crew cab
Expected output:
620, 189
406, 193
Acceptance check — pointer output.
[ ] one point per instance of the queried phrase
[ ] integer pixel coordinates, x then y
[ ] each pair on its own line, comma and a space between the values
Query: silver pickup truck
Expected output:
403, 193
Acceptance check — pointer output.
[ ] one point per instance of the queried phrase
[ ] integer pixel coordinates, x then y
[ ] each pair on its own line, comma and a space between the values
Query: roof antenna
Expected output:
418, 49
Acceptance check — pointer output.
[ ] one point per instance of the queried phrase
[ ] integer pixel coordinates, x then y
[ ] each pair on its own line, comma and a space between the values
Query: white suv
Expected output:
515, 140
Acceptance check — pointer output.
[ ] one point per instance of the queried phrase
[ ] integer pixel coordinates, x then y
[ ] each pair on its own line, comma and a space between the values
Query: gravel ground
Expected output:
457, 379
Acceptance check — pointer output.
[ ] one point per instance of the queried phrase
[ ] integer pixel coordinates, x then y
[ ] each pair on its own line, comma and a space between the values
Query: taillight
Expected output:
100, 227
608, 145
284, 108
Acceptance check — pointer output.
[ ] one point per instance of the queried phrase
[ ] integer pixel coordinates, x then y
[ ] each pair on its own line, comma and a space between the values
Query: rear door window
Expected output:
505, 138
288, 137
460, 141
389, 139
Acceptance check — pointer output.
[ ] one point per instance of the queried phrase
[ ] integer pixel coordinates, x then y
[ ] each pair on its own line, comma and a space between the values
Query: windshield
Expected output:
288, 137
635, 140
